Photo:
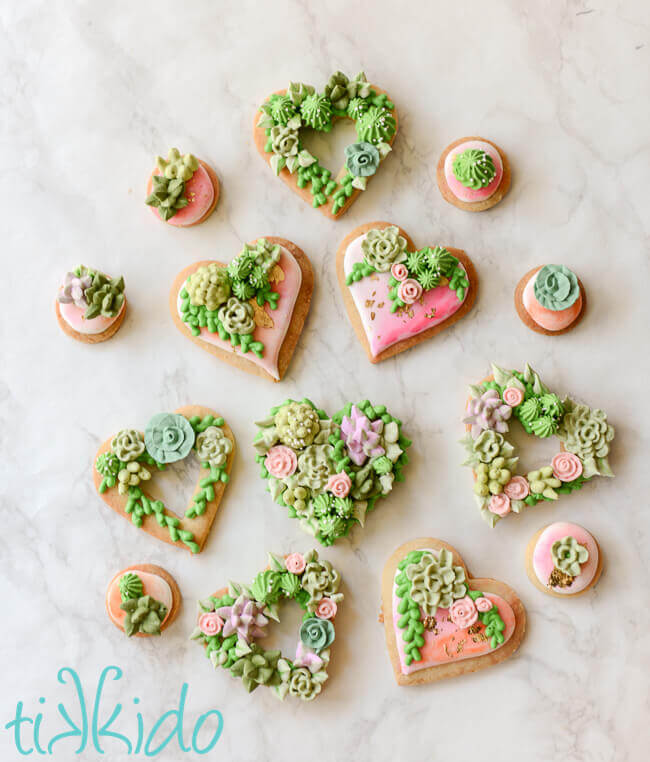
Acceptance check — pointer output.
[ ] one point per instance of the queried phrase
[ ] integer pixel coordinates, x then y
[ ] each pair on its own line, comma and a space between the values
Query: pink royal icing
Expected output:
339, 484
326, 609
566, 466
281, 461
199, 191
469, 195
74, 317
295, 563
499, 504
513, 396
517, 488
281, 317
210, 623
543, 561
382, 327
551, 320
463, 612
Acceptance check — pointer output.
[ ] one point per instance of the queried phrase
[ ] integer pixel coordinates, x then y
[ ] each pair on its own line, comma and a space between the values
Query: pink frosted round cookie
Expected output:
550, 299
182, 190
473, 174
563, 559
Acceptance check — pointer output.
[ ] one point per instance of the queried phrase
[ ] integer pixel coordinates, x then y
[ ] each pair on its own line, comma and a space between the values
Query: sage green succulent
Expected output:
258, 667
127, 445
208, 286
213, 446
586, 433
568, 555
303, 684
435, 581
315, 466
298, 91
237, 317
297, 424
542, 482
177, 166
144, 614
131, 475
168, 196
382, 248
105, 297
321, 580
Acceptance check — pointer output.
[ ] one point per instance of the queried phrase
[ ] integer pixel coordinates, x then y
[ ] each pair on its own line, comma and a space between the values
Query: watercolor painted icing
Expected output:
542, 559
74, 317
199, 191
471, 195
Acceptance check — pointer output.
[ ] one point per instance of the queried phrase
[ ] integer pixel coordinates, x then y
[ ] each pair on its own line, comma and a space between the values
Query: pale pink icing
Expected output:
272, 338
199, 191
543, 561
154, 586
470, 195
433, 652
74, 317
548, 319
388, 328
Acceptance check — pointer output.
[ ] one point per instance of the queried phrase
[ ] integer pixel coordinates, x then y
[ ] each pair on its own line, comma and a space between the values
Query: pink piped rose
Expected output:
409, 291
517, 488
463, 612
499, 504
483, 604
339, 484
295, 563
326, 609
210, 623
399, 271
513, 396
566, 466
281, 461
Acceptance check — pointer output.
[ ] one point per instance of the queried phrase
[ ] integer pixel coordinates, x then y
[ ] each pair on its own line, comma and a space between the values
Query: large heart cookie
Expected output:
396, 295
439, 620
250, 312
285, 115
128, 460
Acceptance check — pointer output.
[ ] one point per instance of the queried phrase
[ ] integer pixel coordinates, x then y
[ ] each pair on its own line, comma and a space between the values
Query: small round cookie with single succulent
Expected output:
90, 306
550, 299
563, 559
182, 190
473, 174
143, 600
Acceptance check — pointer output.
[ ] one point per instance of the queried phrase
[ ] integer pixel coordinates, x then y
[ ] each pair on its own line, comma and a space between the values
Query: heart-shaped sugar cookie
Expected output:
249, 313
396, 295
282, 119
126, 461
439, 620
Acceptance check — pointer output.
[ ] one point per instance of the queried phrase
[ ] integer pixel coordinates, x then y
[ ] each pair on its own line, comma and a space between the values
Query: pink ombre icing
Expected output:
469, 195
153, 585
542, 561
384, 328
551, 320
74, 317
199, 191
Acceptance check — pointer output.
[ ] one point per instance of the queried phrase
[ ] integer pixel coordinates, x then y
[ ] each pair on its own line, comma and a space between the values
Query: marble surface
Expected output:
90, 93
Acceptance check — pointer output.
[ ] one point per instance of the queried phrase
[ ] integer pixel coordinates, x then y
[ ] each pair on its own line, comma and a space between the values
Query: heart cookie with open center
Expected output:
128, 460
441, 622
396, 295
250, 312
284, 116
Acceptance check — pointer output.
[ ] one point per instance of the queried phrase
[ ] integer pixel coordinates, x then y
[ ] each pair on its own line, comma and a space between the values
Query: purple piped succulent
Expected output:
245, 618
74, 289
487, 412
361, 436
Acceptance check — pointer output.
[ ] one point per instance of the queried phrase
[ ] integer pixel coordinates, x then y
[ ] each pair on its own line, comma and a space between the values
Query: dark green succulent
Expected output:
144, 614
105, 297
167, 196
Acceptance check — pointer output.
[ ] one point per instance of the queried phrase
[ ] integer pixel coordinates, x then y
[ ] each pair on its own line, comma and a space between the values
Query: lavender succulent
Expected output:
487, 412
74, 288
245, 618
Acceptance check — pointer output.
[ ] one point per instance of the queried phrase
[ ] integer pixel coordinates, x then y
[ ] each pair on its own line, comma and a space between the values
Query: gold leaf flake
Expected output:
261, 316
276, 275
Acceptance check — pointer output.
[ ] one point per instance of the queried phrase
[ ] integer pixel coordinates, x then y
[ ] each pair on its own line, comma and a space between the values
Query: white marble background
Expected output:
89, 93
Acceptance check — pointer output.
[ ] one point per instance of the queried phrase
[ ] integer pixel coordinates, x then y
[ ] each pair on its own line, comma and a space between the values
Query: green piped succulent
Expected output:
105, 297
167, 196
257, 667
316, 111
144, 614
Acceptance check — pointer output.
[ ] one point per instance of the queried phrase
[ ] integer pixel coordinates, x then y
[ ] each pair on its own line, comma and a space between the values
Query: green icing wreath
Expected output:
329, 472
506, 395
283, 117
230, 625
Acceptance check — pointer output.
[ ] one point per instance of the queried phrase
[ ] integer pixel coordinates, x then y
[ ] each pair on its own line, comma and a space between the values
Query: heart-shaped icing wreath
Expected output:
441, 622
282, 118
583, 432
250, 312
396, 295
233, 619
329, 472
125, 462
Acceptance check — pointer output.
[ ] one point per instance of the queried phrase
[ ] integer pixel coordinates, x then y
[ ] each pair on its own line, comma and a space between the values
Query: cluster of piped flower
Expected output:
283, 116
230, 625
507, 395
330, 472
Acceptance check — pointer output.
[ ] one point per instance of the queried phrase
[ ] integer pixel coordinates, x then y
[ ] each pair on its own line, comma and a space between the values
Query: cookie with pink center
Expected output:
473, 174
563, 559
439, 620
396, 295
550, 299
182, 190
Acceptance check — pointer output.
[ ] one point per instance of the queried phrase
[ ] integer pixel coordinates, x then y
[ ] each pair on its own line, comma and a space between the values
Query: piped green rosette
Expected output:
284, 116
428, 580
474, 168
556, 287
584, 433
428, 267
220, 299
327, 472
168, 438
230, 625
168, 187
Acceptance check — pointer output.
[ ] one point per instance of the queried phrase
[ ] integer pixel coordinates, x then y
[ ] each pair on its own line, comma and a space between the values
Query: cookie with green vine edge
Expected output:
234, 619
463, 636
329, 472
190, 531
279, 307
450, 293
506, 395
285, 113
